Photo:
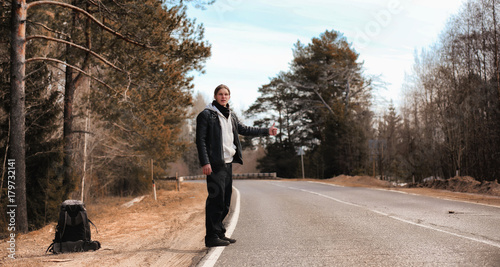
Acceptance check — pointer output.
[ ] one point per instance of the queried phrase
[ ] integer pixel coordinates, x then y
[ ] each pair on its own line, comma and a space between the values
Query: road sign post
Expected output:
301, 153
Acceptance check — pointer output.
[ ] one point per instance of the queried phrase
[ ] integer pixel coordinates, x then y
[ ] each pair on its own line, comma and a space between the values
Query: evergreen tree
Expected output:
138, 55
145, 117
44, 149
390, 134
43, 145
282, 159
323, 104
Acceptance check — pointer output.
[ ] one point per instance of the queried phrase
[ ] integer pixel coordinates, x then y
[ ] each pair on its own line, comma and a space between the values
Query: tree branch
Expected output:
315, 90
77, 46
83, 132
33, 4
100, 6
47, 28
323, 101
69, 65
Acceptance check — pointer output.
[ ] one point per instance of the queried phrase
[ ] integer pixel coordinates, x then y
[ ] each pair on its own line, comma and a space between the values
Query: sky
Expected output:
252, 41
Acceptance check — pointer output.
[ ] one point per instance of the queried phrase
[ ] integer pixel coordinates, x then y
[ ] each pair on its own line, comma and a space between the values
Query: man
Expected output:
218, 145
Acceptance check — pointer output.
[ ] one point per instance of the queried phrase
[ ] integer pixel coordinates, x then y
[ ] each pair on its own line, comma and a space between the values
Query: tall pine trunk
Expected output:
17, 113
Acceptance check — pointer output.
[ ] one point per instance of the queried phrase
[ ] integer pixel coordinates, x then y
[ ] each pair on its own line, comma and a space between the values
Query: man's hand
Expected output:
273, 130
207, 169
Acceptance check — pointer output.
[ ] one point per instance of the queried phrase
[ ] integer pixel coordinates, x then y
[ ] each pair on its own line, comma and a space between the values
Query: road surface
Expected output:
295, 223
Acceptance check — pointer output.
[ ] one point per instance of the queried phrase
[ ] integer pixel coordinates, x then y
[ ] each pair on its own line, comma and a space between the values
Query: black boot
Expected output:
216, 242
230, 240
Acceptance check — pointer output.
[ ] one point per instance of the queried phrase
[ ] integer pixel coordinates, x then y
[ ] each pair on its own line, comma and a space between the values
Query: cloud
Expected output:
244, 57
249, 48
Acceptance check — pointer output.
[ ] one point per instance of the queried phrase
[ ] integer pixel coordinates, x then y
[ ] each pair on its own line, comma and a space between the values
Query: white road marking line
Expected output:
487, 242
235, 216
413, 194
214, 253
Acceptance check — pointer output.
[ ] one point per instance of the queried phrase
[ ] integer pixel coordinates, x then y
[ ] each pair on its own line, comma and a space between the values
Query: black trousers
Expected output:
220, 188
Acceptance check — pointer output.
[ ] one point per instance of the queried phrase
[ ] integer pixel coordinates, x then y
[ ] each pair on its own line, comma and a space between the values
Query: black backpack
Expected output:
73, 229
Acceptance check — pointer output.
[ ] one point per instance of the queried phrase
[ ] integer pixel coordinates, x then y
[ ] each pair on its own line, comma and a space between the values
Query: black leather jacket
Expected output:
209, 137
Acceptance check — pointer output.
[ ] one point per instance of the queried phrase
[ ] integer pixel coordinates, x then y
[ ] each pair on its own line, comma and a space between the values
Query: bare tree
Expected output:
455, 98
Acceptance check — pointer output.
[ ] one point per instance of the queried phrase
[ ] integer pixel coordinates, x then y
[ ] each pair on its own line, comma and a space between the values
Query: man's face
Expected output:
222, 97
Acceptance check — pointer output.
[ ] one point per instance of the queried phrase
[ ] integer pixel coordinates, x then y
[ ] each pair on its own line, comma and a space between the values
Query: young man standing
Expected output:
218, 145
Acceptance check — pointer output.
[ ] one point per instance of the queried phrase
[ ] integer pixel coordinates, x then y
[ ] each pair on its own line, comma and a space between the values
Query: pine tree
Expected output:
140, 70
322, 103
43, 146
144, 118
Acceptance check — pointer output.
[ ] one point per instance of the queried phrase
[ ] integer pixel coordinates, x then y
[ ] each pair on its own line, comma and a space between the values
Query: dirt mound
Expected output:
465, 184
359, 181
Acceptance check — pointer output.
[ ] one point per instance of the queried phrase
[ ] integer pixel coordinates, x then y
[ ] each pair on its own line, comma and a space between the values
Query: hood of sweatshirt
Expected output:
211, 106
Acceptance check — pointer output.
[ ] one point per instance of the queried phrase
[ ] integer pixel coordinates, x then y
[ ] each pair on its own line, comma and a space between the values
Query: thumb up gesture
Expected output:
273, 130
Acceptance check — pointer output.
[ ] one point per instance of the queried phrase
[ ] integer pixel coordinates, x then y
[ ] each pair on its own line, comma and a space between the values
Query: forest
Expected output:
448, 124
108, 89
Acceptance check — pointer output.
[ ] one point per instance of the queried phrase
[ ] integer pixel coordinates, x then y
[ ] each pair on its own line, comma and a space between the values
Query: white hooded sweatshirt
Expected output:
227, 134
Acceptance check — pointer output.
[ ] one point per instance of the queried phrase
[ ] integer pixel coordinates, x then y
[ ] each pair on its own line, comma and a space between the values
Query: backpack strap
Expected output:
50, 248
61, 225
86, 226
94, 226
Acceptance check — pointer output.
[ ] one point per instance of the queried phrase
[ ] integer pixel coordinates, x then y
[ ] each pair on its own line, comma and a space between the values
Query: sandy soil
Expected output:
166, 232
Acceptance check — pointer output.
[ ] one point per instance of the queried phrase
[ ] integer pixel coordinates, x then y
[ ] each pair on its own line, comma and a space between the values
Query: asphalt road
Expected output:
290, 223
